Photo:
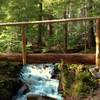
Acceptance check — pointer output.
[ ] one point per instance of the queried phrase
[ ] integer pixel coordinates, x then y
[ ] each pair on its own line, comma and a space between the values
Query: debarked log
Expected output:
75, 58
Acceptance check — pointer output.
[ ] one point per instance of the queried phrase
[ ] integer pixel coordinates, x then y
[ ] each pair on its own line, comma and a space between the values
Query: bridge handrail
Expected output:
23, 24
48, 21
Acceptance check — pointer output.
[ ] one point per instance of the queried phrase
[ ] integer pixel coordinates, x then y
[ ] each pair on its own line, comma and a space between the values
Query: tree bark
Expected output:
50, 26
39, 42
91, 37
65, 33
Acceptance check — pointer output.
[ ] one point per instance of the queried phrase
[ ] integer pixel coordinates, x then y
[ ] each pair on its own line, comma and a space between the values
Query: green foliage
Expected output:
21, 10
77, 82
87, 78
73, 40
29, 10
8, 43
84, 83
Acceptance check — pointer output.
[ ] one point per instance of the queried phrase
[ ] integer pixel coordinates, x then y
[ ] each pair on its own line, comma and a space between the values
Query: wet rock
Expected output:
37, 97
23, 90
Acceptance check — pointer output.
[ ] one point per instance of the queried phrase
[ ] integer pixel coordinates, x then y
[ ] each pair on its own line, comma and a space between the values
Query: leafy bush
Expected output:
9, 43
84, 83
77, 82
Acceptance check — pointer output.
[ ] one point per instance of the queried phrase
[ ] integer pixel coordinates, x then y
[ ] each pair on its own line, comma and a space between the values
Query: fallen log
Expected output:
74, 58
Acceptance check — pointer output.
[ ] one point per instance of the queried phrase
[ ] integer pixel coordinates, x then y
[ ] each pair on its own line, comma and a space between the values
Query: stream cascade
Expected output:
38, 79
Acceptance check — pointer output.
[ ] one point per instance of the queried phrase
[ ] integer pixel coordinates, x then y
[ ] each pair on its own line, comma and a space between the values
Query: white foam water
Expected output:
38, 78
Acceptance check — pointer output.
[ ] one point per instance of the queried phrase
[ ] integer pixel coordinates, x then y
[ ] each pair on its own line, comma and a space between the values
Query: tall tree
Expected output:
39, 41
91, 37
65, 32
50, 26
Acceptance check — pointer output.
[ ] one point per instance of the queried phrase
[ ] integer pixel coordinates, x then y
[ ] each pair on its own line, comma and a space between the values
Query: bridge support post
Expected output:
98, 43
23, 44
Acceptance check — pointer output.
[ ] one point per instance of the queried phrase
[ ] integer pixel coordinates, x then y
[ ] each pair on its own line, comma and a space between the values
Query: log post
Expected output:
98, 43
23, 44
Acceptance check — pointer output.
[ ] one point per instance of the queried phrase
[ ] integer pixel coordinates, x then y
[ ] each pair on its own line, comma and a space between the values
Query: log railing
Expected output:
55, 57
48, 21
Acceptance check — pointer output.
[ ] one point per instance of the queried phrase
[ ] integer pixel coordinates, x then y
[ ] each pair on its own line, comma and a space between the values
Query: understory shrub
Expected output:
77, 82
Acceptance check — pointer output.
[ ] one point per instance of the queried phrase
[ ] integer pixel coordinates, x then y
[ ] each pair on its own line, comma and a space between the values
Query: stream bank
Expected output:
9, 83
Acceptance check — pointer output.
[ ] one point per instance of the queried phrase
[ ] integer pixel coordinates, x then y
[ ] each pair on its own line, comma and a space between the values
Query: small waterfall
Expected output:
37, 78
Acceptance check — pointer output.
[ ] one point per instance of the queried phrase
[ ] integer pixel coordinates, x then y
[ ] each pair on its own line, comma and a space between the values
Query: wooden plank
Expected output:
51, 58
48, 21
98, 43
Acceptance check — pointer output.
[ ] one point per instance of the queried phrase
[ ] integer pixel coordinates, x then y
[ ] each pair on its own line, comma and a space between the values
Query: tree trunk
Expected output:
91, 37
50, 27
39, 42
65, 33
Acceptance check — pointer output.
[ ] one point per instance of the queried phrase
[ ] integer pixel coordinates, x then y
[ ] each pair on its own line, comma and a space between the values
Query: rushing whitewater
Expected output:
38, 79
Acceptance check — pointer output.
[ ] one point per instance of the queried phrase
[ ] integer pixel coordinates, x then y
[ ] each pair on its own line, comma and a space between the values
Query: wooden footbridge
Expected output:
47, 58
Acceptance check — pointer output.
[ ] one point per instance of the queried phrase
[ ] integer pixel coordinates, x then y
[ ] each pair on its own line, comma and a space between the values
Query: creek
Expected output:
38, 80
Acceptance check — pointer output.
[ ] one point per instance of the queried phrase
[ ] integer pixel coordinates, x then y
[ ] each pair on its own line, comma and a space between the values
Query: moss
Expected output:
77, 81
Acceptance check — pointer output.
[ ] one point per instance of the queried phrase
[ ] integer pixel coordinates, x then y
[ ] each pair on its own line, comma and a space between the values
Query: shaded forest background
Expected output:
51, 37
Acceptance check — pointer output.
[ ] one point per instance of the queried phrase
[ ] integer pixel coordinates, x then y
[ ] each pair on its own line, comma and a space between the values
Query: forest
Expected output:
80, 34
76, 80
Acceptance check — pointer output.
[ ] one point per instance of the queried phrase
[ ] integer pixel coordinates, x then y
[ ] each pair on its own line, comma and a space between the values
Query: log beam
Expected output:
51, 58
